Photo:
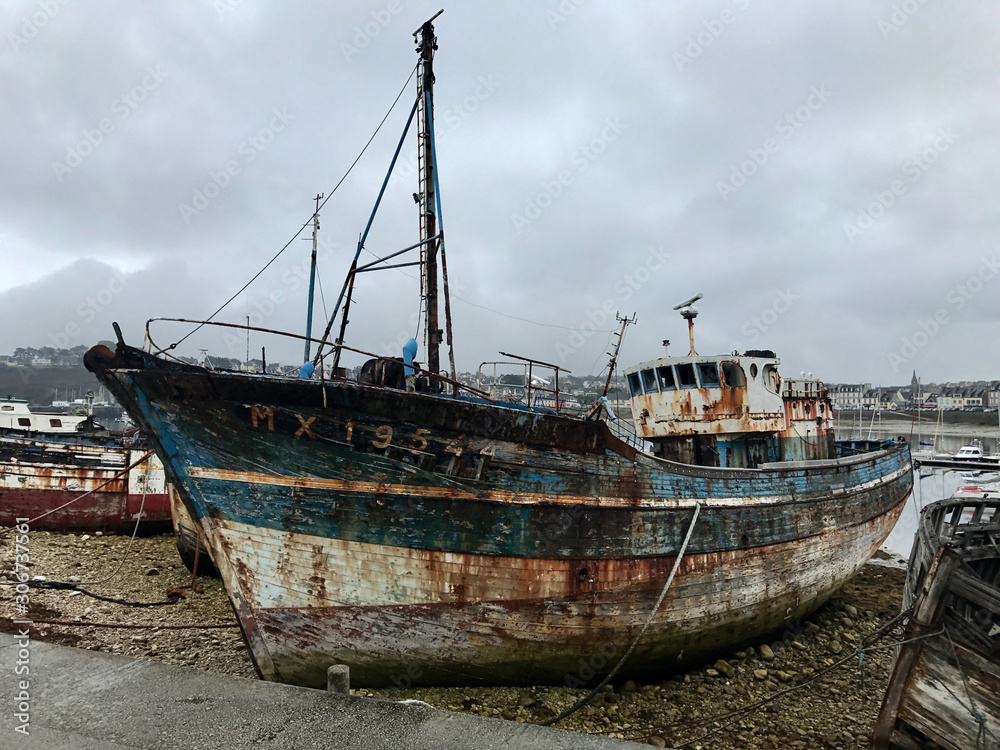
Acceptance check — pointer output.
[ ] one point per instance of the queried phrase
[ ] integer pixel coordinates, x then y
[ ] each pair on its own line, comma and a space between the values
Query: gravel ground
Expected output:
836, 710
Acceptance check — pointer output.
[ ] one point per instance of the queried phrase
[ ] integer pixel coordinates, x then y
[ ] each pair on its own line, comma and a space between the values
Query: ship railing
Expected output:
532, 390
624, 430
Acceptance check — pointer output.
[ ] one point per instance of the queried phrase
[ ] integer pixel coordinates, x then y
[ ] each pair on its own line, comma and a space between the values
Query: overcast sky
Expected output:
826, 174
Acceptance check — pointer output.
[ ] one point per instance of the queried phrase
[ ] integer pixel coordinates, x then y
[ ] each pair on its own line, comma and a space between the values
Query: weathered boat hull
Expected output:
188, 537
945, 681
519, 623
429, 540
43, 480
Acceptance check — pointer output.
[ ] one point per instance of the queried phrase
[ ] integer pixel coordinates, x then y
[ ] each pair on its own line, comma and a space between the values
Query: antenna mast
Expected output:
618, 345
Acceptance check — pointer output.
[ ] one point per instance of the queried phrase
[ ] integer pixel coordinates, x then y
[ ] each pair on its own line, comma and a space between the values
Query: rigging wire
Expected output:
534, 322
306, 224
321, 295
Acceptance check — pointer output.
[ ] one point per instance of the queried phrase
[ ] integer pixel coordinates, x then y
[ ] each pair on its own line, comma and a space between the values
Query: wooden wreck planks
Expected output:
945, 682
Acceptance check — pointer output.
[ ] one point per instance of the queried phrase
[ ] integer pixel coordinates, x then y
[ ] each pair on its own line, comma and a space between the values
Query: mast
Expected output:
312, 279
426, 44
618, 345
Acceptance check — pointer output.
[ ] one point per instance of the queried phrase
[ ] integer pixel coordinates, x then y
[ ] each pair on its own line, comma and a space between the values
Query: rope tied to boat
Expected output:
649, 621
978, 716
867, 646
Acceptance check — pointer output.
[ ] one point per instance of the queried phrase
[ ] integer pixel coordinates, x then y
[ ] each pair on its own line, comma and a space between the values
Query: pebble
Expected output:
662, 713
724, 667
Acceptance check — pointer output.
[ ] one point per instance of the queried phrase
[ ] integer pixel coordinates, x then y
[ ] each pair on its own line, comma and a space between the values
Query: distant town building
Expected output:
846, 396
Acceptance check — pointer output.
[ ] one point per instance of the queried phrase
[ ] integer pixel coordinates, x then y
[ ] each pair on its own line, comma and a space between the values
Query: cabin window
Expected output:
732, 375
55, 423
634, 386
23, 422
686, 377
666, 377
753, 370
7, 408
709, 374
772, 381
649, 381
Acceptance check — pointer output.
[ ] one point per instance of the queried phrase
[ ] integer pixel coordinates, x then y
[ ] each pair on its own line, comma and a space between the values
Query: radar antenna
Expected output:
689, 312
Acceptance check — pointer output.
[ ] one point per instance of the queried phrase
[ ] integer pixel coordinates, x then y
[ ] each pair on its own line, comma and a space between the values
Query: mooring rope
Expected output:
867, 646
649, 621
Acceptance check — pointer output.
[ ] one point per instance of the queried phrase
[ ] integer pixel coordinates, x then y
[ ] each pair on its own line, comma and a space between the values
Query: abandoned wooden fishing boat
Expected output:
78, 482
945, 681
422, 533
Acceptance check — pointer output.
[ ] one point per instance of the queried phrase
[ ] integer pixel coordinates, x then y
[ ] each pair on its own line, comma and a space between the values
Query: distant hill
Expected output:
40, 384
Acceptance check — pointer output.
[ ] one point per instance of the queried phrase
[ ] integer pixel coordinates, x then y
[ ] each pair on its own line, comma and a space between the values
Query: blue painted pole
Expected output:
312, 281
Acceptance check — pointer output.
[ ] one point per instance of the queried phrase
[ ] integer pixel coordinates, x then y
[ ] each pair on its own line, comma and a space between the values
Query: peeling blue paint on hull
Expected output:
428, 540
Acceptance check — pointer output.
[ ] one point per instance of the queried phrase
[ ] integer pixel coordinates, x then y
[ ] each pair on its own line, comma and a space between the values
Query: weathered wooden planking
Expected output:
945, 681
464, 542
945, 697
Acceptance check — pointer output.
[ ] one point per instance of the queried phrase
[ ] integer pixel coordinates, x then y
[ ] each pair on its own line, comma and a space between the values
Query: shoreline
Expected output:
668, 710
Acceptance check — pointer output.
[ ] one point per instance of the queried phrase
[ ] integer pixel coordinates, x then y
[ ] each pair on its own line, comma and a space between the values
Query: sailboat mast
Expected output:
426, 45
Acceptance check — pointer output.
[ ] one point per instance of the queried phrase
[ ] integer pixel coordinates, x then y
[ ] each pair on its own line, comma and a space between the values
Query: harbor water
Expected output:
929, 485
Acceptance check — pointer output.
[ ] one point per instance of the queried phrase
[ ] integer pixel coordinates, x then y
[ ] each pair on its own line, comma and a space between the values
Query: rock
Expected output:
725, 668
527, 701
799, 646
656, 741
760, 674
766, 653
836, 647
712, 672
784, 676
851, 610
628, 688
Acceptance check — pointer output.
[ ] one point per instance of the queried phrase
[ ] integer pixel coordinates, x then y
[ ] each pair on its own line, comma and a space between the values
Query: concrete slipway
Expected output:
85, 700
